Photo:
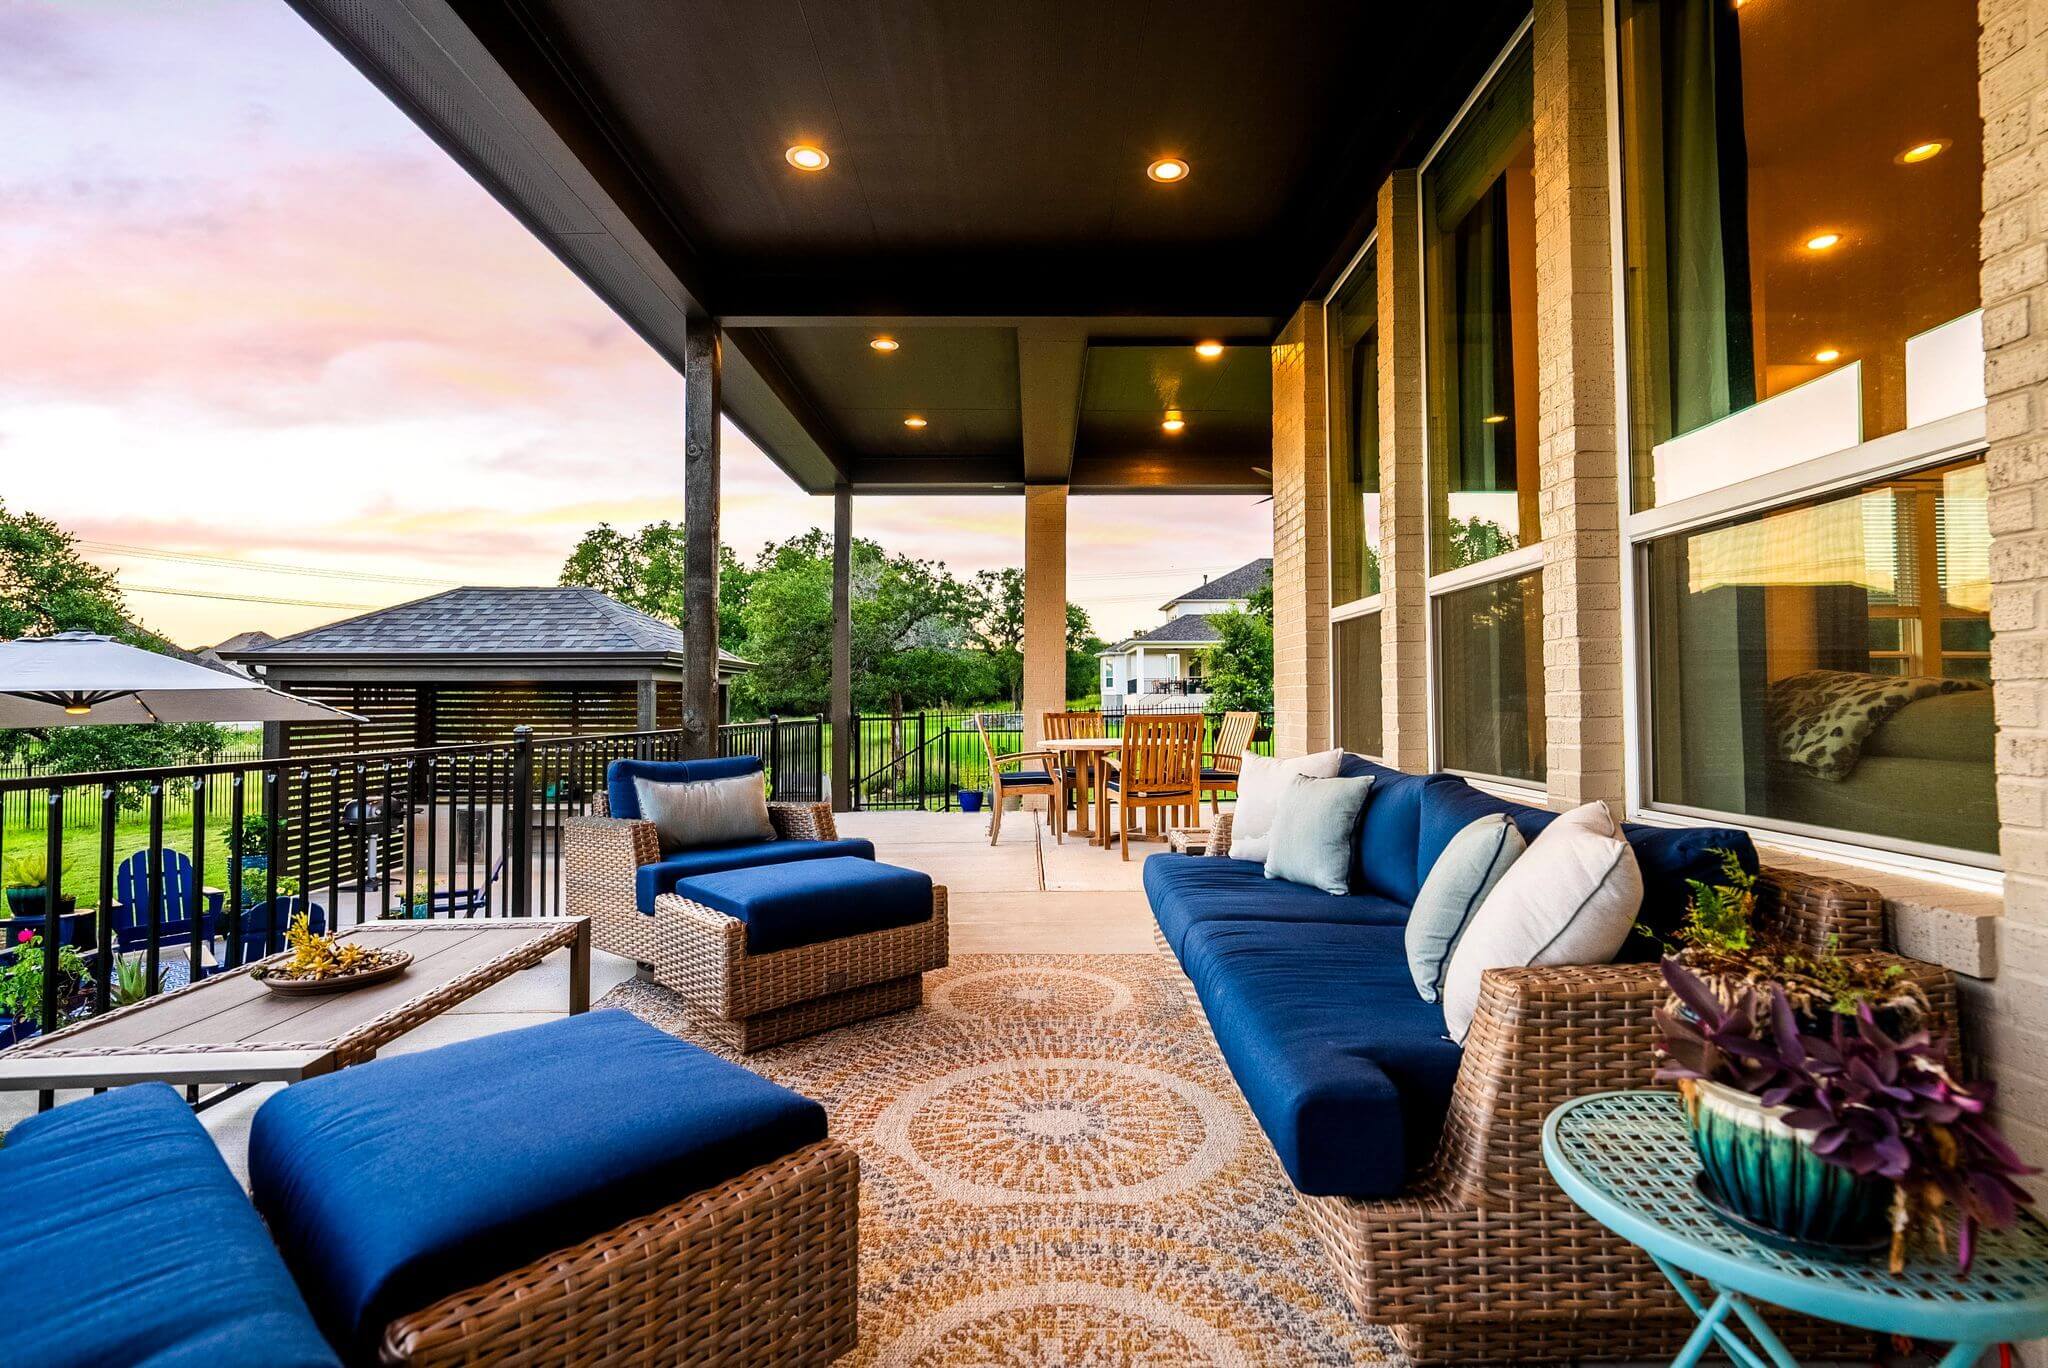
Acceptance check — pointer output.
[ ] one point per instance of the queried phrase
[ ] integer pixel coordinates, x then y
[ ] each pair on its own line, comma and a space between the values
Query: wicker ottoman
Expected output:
777, 952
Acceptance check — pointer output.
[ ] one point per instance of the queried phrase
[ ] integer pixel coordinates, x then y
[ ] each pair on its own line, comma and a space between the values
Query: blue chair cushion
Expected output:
1023, 776
1667, 856
623, 800
1388, 837
662, 876
808, 901
130, 1242
1218, 776
1188, 890
395, 1183
1346, 1069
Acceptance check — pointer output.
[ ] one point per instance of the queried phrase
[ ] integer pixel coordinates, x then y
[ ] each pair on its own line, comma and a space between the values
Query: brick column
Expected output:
1580, 490
1404, 504
1045, 606
2011, 1023
1301, 539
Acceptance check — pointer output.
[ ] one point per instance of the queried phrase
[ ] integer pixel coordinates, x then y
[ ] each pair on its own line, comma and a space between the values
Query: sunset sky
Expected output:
267, 347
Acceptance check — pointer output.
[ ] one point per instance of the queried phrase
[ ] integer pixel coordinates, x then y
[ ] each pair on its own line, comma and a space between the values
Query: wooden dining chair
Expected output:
1063, 726
1157, 769
1035, 771
1220, 767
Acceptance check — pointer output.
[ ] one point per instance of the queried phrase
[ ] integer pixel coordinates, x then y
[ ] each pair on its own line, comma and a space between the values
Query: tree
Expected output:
1241, 663
47, 587
995, 621
644, 570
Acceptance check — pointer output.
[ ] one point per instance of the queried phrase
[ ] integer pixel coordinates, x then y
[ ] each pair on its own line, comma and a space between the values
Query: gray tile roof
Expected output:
485, 620
1239, 583
1189, 629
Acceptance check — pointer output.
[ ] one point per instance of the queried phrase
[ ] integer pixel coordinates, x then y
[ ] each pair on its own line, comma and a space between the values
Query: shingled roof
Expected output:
485, 621
1189, 629
1240, 583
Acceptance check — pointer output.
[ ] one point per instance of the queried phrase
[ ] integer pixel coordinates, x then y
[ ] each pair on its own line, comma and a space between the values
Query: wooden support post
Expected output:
842, 650
646, 715
701, 366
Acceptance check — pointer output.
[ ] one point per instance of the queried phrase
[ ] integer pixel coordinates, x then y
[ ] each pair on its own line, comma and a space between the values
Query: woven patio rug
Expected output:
1057, 1169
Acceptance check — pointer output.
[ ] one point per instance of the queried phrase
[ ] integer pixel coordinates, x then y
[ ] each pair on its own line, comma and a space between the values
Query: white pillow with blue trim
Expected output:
1458, 883
1313, 828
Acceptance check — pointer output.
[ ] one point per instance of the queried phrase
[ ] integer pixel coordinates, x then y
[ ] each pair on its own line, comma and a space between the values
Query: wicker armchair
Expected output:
1484, 1259
600, 854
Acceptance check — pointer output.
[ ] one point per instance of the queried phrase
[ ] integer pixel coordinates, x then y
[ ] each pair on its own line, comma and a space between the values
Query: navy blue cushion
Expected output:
661, 877
1187, 890
130, 1242
1023, 776
1389, 837
392, 1184
1451, 805
808, 901
1217, 776
1347, 1070
624, 800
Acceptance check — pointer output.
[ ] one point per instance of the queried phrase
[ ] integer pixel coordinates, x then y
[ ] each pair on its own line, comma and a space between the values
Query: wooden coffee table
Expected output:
231, 1029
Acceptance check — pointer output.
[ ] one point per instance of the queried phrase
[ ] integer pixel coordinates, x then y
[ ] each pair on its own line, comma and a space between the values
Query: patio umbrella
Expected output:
80, 679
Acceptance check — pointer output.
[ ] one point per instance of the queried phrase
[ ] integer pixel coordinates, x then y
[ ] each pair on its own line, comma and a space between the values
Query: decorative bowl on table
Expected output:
327, 964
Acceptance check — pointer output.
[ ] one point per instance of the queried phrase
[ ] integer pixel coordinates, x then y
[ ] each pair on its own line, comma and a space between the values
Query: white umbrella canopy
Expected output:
78, 679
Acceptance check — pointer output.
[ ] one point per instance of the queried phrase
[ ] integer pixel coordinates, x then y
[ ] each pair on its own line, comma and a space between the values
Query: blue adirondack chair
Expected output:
183, 898
259, 918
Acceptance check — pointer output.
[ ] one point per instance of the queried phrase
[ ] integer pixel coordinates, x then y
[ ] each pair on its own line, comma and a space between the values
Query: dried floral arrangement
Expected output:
315, 958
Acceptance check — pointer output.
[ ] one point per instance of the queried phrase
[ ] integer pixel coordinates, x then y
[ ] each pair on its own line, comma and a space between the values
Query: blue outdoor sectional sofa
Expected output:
1420, 1159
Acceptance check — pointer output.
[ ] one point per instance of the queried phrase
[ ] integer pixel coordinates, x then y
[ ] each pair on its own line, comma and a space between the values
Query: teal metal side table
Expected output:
1626, 1159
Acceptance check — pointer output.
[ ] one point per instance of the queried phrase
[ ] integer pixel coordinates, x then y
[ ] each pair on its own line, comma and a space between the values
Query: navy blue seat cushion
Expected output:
1389, 835
1218, 776
808, 901
1188, 890
623, 799
1023, 776
662, 876
1347, 1070
392, 1184
130, 1242
1667, 856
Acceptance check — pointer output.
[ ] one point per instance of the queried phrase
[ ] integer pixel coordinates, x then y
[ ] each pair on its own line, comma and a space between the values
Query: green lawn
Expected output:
131, 833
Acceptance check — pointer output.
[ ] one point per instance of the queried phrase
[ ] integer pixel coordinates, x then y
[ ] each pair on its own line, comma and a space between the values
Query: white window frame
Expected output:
1515, 564
1953, 438
1370, 604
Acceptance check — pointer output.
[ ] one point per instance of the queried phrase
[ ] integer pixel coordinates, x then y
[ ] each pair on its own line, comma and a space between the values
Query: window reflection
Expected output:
1490, 678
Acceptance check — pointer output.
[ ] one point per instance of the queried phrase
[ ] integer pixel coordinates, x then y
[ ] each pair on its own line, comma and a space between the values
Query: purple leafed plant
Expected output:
1876, 1106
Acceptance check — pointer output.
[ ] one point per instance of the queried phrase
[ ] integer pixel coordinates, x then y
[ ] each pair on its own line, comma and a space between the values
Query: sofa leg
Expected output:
644, 973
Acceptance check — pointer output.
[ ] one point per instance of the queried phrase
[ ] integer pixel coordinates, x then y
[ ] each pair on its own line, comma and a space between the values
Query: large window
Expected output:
1360, 724
1490, 679
1802, 184
1353, 358
1826, 665
1479, 231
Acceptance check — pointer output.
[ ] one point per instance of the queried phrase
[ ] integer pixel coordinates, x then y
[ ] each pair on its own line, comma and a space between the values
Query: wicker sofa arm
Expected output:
1219, 834
615, 846
1819, 912
803, 821
600, 858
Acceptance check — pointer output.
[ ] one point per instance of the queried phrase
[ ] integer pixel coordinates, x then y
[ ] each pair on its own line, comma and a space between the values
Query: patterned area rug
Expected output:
1057, 1169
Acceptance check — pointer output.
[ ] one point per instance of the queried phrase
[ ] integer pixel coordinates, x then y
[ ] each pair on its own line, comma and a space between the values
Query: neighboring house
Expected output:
1169, 662
218, 655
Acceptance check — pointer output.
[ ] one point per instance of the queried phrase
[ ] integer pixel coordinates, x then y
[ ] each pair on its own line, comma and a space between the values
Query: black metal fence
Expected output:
144, 879
18, 808
924, 760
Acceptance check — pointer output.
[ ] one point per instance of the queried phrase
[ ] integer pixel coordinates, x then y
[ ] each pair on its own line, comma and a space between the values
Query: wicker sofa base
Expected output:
762, 1269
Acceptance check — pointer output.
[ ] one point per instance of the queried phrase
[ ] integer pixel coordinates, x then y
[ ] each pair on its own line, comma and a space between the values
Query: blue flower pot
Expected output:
970, 800
1765, 1177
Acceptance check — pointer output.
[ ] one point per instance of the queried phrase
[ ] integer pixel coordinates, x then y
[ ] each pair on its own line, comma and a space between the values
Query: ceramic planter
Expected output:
1765, 1174
28, 903
970, 800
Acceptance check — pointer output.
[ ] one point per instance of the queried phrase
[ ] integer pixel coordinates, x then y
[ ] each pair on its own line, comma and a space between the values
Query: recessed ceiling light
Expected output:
913, 421
1496, 418
805, 157
1827, 354
1920, 152
1208, 351
1173, 422
884, 343
1168, 170
1820, 242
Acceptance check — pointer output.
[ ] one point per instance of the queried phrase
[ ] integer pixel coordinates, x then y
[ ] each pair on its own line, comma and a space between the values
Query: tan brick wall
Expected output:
1045, 605
1301, 532
2010, 1026
1404, 512
1582, 672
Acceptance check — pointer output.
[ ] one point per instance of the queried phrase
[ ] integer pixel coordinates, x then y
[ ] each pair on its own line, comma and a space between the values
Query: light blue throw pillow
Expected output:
1313, 827
1458, 882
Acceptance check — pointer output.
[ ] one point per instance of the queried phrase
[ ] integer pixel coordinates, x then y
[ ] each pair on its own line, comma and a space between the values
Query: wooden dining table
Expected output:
1086, 752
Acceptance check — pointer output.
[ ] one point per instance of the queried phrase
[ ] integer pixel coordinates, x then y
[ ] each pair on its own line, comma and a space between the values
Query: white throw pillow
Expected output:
1259, 786
1315, 832
1570, 899
707, 812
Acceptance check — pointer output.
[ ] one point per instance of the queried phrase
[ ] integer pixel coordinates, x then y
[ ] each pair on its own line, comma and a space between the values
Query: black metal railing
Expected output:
191, 869
924, 760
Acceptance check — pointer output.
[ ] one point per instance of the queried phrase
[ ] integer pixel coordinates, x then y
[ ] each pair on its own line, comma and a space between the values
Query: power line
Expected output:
246, 598
277, 567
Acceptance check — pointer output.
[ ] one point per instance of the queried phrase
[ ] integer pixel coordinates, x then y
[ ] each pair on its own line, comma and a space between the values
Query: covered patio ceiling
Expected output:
986, 204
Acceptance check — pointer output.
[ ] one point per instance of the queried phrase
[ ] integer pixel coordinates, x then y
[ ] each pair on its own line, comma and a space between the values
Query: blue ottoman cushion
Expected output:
808, 901
130, 1242
661, 876
392, 1184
